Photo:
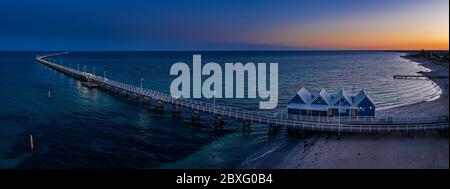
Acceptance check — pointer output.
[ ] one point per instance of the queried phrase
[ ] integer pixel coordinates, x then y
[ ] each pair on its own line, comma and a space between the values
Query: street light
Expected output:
142, 79
94, 71
339, 112
104, 75
214, 101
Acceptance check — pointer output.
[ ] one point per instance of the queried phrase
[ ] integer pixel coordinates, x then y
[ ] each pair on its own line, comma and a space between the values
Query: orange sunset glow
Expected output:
424, 26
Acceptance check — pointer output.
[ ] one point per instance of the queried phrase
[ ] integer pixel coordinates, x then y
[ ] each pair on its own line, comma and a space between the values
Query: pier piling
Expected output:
176, 110
159, 105
273, 130
218, 121
246, 125
145, 101
31, 142
195, 117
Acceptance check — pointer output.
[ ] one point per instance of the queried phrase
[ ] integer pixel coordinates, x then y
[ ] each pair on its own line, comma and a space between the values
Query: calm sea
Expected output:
90, 128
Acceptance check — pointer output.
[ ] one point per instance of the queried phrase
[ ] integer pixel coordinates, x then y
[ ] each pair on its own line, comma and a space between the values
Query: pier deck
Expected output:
419, 77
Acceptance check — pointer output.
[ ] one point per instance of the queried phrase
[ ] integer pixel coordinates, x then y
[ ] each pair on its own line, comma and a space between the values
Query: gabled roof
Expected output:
342, 94
303, 97
361, 95
325, 96
296, 100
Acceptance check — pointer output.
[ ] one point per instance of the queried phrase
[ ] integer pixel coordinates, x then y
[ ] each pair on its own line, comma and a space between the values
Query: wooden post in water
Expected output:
31, 142
218, 121
246, 125
176, 110
159, 105
195, 116
273, 129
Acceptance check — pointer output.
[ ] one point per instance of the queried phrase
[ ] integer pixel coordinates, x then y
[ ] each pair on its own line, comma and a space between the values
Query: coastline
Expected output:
425, 108
387, 151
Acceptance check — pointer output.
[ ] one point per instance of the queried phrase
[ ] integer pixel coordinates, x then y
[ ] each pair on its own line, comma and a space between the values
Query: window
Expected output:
319, 99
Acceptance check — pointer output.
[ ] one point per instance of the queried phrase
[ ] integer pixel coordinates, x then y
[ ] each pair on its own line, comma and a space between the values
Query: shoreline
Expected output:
425, 108
387, 151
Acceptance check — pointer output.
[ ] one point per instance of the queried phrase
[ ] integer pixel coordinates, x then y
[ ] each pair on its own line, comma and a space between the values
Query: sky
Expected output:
147, 25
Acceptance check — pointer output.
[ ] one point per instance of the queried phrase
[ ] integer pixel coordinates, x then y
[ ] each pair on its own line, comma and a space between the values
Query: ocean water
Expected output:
91, 128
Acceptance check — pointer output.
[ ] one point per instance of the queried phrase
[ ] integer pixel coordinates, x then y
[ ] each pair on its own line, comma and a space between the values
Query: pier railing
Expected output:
342, 124
373, 119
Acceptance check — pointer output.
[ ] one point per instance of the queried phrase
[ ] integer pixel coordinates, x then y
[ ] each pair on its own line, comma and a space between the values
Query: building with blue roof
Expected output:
364, 103
324, 104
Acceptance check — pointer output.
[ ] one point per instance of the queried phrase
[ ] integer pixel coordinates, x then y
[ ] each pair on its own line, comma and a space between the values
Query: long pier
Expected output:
419, 77
274, 122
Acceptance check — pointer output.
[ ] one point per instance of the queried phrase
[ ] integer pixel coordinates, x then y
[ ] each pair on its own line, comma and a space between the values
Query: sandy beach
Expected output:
388, 151
382, 152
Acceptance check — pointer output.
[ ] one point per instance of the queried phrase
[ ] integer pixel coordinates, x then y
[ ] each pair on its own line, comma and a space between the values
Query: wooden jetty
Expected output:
419, 77
273, 121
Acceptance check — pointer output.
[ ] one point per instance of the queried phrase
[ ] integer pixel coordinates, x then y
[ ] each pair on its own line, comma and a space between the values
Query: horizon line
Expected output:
287, 50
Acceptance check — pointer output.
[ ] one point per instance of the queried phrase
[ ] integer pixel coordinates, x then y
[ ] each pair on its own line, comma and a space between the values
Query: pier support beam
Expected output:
273, 130
159, 105
246, 125
136, 98
145, 101
140, 99
195, 116
218, 121
123, 93
131, 97
176, 110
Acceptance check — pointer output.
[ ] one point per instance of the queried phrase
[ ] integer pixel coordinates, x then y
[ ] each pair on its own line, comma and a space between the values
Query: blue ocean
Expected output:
91, 128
